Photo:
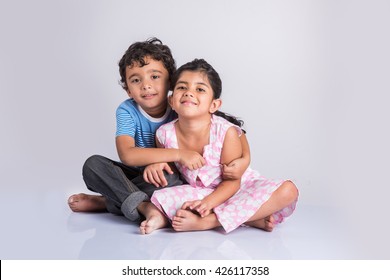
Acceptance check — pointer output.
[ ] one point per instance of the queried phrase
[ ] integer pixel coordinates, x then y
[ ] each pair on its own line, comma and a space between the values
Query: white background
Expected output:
309, 78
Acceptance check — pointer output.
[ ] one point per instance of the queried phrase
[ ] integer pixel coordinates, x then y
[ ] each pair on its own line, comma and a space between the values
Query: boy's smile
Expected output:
148, 86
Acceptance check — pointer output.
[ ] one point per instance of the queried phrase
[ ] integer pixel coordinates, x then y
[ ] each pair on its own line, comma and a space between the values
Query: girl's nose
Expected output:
188, 93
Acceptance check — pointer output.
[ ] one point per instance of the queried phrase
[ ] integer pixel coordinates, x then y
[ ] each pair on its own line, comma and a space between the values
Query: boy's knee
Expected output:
92, 163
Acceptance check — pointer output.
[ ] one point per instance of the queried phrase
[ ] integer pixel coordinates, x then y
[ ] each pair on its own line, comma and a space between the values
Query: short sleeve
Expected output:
166, 135
239, 130
161, 135
125, 124
222, 128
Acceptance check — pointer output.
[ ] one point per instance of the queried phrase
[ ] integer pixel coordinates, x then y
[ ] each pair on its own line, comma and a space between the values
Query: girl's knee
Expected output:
289, 191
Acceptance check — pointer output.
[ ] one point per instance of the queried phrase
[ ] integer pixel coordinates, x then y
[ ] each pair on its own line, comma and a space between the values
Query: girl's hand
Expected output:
235, 169
153, 174
199, 206
190, 159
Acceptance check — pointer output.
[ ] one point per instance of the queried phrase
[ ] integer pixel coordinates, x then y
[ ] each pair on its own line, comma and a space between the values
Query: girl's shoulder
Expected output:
165, 132
221, 126
168, 126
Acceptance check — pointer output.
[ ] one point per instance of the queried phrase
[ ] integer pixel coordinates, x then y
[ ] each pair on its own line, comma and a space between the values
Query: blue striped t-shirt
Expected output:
132, 120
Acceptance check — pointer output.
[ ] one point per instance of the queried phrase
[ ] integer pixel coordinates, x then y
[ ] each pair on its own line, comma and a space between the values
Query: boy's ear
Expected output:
215, 105
129, 93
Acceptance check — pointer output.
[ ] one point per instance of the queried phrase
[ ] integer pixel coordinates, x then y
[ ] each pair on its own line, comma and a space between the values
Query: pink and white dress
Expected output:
253, 192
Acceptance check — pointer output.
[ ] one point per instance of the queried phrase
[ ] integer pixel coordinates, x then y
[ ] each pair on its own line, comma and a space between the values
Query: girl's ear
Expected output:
170, 101
215, 105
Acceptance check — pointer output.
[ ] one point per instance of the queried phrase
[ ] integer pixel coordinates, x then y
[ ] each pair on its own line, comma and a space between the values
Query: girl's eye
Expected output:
154, 77
180, 88
200, 89
134, 81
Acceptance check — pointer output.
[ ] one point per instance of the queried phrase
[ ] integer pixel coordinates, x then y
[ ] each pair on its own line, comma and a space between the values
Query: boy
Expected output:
145, 70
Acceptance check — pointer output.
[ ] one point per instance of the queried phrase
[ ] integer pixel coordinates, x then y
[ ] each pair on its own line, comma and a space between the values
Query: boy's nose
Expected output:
146, 86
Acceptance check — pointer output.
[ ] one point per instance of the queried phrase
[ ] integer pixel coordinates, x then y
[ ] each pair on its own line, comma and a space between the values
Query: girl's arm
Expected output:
231, 150
237, 167
131, 155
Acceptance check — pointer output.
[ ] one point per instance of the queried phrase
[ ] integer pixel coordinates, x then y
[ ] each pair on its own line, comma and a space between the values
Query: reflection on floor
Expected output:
41, 226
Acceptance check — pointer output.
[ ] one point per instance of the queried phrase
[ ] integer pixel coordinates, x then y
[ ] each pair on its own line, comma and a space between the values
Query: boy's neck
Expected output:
156, 112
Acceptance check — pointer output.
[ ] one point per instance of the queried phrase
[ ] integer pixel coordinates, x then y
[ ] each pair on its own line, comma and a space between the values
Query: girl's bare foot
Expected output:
266, 224
185, 220
154, 218
87, 203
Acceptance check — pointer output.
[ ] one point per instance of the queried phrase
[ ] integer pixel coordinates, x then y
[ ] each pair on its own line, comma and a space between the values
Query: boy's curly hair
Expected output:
137, 52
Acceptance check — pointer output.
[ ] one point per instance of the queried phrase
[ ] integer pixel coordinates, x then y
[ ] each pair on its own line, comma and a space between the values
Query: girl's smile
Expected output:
192, 91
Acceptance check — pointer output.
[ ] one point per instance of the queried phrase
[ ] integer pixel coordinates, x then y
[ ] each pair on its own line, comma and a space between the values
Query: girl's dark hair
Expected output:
137, 52
201, 65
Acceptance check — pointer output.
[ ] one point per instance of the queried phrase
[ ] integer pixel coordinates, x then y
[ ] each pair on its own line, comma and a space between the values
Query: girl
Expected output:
209, 200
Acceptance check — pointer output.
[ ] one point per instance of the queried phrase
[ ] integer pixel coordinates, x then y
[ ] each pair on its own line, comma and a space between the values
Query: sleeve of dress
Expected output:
161, 135
224, 126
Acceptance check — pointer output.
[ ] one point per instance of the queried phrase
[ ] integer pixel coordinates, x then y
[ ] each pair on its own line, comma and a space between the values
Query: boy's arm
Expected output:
236, 168
227, 188
131, 155
154, 173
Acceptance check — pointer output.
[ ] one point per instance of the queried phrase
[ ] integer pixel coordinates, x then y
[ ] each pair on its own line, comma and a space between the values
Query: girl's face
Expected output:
193, 95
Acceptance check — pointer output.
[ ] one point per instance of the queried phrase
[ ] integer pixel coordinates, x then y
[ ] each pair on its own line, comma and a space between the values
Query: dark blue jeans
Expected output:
123, 186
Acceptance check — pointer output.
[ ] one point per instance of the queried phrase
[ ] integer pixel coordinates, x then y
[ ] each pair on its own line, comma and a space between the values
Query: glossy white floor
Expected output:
41, 226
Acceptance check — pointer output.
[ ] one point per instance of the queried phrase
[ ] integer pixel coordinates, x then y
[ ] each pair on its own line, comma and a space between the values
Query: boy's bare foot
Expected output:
87, 203
266, 224
154, 219
185, 220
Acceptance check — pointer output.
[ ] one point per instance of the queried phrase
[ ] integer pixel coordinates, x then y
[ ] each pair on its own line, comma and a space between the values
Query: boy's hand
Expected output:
234, 170
199, 206
153, 174
190, 159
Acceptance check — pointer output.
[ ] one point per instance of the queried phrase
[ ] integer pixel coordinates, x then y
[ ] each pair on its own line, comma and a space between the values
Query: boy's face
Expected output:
148, 86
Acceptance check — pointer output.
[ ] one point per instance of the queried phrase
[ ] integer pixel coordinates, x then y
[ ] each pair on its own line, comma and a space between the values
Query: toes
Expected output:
269, 223
183, 213
177, 226
180, 213
76, 198
269, 226
72, 202
72, 198
142, 227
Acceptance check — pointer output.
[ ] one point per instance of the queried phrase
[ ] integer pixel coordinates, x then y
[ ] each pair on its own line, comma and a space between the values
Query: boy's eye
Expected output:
154, 77
135, 80
200, 89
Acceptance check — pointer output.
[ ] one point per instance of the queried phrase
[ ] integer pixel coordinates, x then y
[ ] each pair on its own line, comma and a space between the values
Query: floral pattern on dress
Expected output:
254, 190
